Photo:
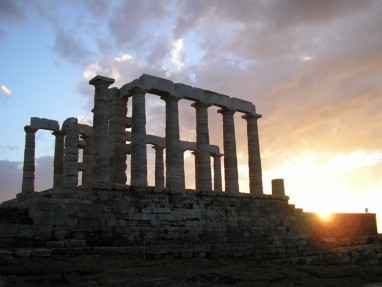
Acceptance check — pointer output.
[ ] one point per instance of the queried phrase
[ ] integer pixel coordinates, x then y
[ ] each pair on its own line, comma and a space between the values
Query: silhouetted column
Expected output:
117, 136
230, 160
87, 159
159, 166
202, 156
100, 161
278, 187
217, 172
138, 139
58, 161
173, 154
71, 165
254, 160
29, 160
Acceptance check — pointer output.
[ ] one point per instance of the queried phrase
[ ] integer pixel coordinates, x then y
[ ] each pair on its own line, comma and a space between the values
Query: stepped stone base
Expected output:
157, 223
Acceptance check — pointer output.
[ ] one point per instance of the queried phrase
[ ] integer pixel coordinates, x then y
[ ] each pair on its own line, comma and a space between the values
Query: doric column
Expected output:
58, 161
71, 165
117, 136
138, 139
254, 160
217, 172
100, 161
29, 160
159, 166
173, 154
229, 143
202, 156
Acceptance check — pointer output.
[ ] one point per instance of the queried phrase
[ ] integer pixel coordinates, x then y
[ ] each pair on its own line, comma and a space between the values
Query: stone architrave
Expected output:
159, 166
117, 135
58, 161
173, 153
217, 172
138, 138
231, 176
100, 160
254, 160
202, 156
29, 160
71, 164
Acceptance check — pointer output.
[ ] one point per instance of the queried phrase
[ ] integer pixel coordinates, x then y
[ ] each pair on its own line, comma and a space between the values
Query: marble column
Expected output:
173, 153
202, 156
58, 161
254, 160
217, 172
138, 139
117, 136
231, 176
100, 154
159, 166
71, 164
29, 160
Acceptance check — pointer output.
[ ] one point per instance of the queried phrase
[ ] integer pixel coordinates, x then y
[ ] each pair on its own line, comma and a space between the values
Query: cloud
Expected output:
5, 90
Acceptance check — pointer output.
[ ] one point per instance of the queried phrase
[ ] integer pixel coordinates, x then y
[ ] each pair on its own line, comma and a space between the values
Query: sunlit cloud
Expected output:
92, 70
85, 120
5, 91
176, 53
123, 58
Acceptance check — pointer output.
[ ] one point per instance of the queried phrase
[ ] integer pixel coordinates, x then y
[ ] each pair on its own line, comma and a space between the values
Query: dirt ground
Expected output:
120, 270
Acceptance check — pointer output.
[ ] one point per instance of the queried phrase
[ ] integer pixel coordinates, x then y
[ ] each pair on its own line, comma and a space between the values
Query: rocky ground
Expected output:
108, 270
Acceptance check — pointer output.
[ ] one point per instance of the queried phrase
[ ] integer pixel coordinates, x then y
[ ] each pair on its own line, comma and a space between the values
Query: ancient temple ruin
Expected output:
104, 214
107, 143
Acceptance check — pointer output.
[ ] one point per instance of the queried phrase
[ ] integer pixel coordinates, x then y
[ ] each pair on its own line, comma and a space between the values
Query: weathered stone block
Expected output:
45, 124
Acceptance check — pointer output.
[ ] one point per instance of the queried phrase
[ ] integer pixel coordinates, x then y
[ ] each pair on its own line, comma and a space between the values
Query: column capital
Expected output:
251, 116
169, 98
137, 90
200, 105
100, 81
157, 147
217, 155
226, 112
29, 129
58, 133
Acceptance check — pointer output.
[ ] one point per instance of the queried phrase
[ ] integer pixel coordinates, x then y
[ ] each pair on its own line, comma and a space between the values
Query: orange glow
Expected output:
325, 216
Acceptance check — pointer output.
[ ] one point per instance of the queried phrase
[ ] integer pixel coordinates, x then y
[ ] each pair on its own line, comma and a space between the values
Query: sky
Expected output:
312, 68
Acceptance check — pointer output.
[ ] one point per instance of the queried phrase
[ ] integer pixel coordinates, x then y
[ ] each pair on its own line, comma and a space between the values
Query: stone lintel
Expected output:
86, 130
243, 106
219, 100
157, 86
101, 80
44, 124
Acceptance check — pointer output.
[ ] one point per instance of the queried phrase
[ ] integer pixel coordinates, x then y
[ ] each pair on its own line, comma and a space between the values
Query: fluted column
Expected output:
173, 154
117, 136
58, 161
29, 160
100, 161
254, 159
217, 172
231, 176
202, 156
71, 165
138, 139
159, 166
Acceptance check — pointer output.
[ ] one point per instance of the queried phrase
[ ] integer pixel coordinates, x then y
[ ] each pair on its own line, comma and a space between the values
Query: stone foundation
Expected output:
124, 220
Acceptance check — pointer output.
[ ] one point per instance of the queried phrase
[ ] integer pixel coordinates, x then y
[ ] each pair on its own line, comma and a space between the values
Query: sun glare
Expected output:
325, 216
